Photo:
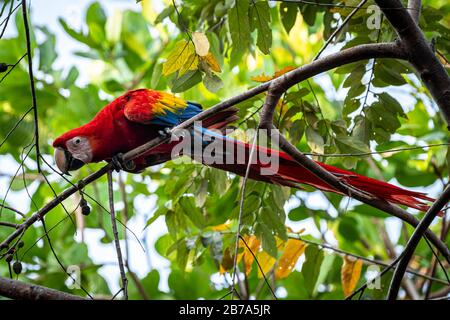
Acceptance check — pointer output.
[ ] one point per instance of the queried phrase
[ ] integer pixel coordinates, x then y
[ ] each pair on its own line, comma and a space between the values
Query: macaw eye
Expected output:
76, 141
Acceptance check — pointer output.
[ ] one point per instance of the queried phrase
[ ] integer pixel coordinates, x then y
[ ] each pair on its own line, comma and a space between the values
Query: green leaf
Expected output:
299, 213
149, 284
269, 244
260, 19
390, 103
288, 14
297, 130
71, 77
186, 81
311, 268
164, 14
238, 21
212, 82
314, 140
79, 36
309, 13
350, 105
347, 228
156, 75
47, 53
274, 219
387, 76
355, 77
348, 144
252, 203
191, 210
96, 21
362, 129
382, 117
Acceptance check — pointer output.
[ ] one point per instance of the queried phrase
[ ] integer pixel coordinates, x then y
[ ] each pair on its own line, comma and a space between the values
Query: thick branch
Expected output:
414, 241
419, 54
19, 290
414, 8
361, 52
357, 53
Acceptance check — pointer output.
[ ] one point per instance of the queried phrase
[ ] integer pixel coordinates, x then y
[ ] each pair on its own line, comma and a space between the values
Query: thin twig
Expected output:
339, 29
7, 18
241, 210
12, 67
9, 224
116, 237
32, 86
13, 210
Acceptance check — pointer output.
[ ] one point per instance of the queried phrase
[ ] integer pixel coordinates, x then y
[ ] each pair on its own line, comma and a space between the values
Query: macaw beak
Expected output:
66, 162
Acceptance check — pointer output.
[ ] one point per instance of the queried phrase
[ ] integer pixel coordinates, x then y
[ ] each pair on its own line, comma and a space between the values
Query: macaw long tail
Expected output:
288, 172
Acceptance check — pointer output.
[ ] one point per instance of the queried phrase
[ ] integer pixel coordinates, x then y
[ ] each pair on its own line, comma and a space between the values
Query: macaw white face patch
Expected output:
80, 148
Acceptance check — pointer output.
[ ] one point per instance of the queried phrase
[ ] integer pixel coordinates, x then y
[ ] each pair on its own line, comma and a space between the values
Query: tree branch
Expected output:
414, 8
414, 241
19, 290
32, 86
116, 236
419, 53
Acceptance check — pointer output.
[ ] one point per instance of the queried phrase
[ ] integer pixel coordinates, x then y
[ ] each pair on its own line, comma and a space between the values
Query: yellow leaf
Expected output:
261, 78
178, 57
201, 43
227, 261
444, 62
212, 62
283, 71
191, 64
222, 227
253, 243
292, 252
266, 261
350, 274
298, 232
264, 78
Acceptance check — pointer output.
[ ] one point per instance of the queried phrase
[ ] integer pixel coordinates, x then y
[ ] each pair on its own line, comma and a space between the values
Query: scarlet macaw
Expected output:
140, 115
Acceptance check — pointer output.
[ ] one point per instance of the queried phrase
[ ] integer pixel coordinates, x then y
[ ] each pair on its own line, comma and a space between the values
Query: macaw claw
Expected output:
119, 164
165, 133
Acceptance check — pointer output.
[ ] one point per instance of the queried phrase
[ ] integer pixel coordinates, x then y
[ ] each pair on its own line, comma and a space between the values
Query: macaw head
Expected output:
89, 143
73, 150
